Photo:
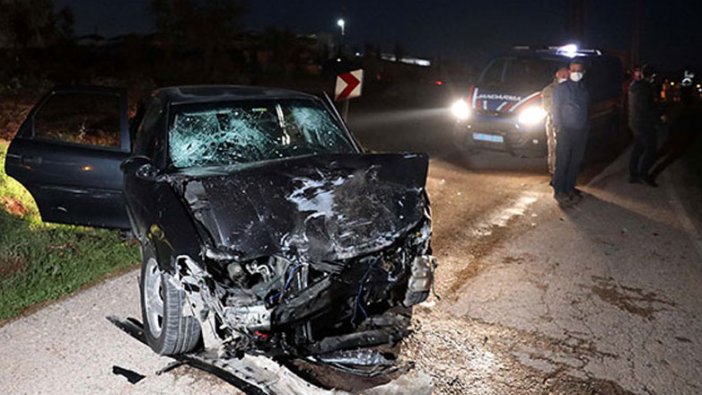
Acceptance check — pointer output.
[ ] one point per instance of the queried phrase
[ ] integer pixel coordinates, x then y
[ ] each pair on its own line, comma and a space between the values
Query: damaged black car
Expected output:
264, 227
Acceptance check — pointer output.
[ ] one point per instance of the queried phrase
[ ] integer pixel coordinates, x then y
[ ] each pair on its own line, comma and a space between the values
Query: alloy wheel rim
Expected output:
153, 298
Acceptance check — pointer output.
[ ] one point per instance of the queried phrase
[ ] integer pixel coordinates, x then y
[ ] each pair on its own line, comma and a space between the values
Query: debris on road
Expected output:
258, 374
132, 376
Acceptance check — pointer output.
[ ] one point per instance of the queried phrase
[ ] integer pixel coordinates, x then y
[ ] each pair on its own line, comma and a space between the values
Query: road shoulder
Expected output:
607, 290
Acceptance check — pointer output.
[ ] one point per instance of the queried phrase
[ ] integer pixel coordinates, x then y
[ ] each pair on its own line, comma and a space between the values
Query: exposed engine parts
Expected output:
421, 280
278, 303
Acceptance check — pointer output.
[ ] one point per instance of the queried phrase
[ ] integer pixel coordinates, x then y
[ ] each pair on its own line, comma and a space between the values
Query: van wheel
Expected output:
166, 329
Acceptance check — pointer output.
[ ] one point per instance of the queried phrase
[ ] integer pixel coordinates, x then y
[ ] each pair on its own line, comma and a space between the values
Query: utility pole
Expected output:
577, 19
636, 35
341, 23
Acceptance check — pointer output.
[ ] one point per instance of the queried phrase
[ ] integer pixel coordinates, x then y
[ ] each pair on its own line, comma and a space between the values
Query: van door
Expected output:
67, 154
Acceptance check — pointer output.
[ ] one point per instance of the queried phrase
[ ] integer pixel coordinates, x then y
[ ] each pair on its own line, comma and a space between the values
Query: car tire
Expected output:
166, 329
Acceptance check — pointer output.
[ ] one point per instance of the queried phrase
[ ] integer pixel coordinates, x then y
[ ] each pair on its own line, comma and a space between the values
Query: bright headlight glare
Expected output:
532, 115
460, 109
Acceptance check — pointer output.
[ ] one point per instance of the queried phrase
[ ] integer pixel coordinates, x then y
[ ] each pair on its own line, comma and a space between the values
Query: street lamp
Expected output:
342, 24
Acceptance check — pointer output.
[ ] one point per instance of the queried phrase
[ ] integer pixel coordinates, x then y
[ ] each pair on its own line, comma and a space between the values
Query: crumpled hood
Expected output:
322, 208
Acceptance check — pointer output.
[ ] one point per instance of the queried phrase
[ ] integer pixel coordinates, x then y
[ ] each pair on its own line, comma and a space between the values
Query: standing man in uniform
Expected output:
643, 117
571, 103
685, 127
561, 76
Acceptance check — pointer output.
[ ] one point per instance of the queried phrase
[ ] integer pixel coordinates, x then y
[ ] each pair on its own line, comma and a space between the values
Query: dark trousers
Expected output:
643, 155
551, 144
570, 149
675, 147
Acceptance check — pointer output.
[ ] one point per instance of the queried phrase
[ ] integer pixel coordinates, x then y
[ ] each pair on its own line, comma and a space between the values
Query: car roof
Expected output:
222, 93
552, 54
541, 55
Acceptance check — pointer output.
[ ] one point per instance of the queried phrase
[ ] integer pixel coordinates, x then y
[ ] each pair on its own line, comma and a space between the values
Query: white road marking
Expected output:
681, 213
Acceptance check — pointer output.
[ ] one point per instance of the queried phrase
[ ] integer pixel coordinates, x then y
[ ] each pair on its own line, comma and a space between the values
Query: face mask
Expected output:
562, 80
576, 76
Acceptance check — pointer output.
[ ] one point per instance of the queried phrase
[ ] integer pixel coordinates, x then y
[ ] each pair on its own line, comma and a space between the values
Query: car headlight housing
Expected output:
461, 110
532, 115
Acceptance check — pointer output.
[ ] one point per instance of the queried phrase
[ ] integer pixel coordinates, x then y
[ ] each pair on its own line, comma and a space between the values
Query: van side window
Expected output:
80, 118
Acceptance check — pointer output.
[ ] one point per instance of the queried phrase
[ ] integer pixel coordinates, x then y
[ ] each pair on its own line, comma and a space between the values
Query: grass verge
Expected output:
40, 261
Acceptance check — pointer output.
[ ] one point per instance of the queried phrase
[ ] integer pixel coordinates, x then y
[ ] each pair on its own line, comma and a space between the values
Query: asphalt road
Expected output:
600, 298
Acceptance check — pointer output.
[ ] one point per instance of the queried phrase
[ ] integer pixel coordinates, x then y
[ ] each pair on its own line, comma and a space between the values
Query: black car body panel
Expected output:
74, 182
325, 208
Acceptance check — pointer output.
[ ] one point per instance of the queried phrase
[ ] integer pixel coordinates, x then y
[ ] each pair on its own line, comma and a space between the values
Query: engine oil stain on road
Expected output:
633, 300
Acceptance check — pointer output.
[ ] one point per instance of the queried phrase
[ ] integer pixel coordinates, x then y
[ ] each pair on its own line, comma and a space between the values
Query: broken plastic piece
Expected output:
132, 376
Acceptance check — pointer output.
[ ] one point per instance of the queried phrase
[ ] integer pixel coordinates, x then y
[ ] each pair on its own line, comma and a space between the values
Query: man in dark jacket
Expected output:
643, 117
570, 116
684, 129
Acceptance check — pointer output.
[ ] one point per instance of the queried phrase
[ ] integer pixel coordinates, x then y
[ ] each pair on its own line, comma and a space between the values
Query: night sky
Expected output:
459, 30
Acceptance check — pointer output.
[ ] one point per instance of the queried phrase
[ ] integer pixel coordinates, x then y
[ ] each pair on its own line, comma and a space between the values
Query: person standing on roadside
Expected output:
561, 76
643, 118
571, 102
685, 127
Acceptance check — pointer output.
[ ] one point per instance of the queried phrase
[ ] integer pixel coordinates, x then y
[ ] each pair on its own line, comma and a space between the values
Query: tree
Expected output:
65, 21
209, 26
29, 23
399, 51
284, 46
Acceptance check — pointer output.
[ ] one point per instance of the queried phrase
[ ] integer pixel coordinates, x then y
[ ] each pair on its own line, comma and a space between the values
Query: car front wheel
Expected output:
167, 330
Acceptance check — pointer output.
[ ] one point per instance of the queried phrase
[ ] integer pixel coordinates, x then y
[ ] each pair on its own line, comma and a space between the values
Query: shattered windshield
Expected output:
251, 131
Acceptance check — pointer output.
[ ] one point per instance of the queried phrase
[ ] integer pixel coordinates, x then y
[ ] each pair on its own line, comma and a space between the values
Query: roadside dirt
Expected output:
13, 111
13, 206
466, 356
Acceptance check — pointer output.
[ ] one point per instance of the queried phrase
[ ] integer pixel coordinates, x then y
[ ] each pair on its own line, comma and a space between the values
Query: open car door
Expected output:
67, 153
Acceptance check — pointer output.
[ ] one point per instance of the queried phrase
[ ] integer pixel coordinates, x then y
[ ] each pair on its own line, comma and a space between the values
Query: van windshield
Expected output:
520, 72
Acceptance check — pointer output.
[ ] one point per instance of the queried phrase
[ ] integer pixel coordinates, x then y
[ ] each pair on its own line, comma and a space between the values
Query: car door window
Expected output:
87, 119
147, 134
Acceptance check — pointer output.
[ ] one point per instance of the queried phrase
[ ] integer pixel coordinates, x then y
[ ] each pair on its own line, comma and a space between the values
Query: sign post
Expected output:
348, 86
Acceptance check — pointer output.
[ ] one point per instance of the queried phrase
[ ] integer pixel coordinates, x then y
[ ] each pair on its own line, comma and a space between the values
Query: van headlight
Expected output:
532, 115
460, 110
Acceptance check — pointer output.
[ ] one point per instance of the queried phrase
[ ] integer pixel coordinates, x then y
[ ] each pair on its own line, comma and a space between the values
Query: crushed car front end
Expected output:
272, 232
339, 254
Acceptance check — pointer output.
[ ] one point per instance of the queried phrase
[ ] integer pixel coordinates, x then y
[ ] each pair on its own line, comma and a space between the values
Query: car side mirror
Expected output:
140, 166
147, 172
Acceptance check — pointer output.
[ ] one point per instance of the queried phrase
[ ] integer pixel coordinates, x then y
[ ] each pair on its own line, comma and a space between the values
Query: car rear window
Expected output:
251, 131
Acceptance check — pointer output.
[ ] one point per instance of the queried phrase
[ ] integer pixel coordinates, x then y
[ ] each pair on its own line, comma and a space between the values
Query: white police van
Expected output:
503, 111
